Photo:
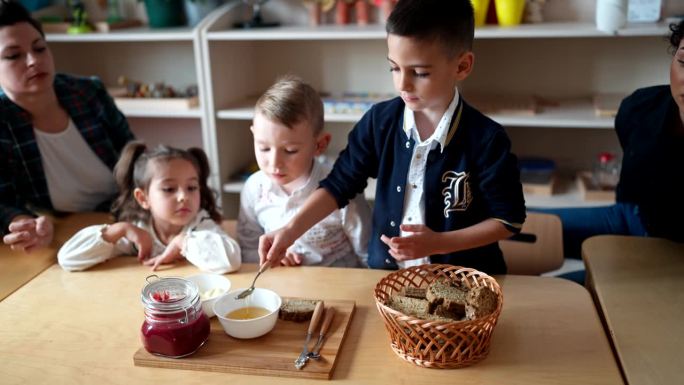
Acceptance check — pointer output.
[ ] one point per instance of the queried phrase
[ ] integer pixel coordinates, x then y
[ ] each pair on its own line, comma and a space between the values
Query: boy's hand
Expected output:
273, 246
423, 242
291, 258
171, 253
28, 233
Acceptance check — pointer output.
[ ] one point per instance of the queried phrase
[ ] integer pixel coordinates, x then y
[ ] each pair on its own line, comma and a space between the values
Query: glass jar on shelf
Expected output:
175, 325
606, 174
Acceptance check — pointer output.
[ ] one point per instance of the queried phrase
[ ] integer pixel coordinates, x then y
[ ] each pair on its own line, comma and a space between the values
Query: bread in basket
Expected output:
437, 343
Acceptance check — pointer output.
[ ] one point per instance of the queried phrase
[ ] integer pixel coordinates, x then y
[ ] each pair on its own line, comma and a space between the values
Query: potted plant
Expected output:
164, 13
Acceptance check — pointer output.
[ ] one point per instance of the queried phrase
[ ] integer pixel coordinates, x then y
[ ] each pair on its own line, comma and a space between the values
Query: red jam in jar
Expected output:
175, 325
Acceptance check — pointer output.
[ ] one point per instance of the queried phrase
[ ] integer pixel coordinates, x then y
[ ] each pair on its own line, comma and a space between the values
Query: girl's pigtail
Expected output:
208, 200
125, 207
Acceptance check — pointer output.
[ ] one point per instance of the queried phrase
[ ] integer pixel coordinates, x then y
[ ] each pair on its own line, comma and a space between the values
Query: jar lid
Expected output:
168, 294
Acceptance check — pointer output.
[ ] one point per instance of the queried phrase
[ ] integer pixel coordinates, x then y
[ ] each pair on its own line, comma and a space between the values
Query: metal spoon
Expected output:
249, 290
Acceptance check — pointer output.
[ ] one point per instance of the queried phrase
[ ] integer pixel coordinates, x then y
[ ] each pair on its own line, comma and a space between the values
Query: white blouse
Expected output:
206, 246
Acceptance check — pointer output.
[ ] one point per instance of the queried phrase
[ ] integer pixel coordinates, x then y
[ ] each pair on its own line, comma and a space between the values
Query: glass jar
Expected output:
175, 325
606, 171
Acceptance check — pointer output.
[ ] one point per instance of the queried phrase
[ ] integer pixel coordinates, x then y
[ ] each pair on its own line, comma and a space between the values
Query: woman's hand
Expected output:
28, 233
171, 253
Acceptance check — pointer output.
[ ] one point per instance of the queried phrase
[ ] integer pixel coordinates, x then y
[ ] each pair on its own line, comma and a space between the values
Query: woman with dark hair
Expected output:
650, 127
60, 135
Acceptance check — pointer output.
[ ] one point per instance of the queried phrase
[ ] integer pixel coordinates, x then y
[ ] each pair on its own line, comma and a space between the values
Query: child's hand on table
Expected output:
422, 242
171, 253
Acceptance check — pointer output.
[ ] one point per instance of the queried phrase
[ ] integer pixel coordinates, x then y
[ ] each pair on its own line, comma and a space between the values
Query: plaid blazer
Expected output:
23, 184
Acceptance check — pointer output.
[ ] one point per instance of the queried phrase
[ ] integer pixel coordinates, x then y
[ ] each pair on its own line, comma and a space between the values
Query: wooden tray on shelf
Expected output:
153, 104
590, 192
273, 354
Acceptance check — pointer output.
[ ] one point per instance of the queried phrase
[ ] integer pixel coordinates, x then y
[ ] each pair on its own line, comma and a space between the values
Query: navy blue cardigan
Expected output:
475, 178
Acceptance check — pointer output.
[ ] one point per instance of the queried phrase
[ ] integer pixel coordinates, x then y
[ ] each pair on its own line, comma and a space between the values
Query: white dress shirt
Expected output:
414, 197
341, 239
206, 246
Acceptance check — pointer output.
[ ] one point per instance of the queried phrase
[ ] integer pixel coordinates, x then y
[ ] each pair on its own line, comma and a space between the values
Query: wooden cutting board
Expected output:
273, 354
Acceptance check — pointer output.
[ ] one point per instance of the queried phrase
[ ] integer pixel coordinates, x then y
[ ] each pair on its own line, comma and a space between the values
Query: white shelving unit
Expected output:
143, 54
566, 60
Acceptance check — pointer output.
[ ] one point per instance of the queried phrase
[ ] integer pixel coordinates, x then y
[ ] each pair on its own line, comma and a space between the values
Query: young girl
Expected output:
165, 212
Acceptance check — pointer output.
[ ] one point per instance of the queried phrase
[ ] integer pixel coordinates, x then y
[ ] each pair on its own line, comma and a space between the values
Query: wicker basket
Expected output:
437, 344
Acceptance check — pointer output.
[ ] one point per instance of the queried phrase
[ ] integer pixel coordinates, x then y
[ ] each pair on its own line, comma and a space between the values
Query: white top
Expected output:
206, 246
77, 179
414, 197
341, 239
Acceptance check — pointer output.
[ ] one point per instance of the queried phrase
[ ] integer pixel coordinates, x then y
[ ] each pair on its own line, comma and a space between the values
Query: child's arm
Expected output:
356, 222
425, 242
96, 244
210, 249
273, 245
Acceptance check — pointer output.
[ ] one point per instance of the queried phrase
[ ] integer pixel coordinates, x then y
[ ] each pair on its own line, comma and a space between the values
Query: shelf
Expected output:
569, 196
377, 32
568, 114
235, 187
126, 35
194, 113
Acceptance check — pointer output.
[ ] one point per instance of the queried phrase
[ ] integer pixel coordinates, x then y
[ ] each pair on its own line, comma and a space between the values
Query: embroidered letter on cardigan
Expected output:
457, 196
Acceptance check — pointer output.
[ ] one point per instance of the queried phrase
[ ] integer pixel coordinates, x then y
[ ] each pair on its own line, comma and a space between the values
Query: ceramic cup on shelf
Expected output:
509, 12
611, 15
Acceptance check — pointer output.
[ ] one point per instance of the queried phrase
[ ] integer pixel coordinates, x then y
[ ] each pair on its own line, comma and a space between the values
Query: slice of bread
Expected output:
450, 296
410, 306
415, 292
481, 301
297, 310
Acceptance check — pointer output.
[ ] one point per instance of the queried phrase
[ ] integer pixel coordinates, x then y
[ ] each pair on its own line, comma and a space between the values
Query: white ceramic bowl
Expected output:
250, 328
211, 288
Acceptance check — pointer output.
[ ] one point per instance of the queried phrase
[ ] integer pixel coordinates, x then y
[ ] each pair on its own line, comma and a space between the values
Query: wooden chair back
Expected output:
538, 248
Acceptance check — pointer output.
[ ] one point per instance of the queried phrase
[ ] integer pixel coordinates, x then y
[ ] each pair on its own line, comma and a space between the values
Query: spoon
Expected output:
249, 290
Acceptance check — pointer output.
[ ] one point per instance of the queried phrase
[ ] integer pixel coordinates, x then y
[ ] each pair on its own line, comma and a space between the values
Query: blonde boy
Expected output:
288, 138
448, 187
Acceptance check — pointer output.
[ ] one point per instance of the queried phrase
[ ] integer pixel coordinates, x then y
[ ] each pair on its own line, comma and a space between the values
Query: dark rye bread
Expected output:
410, 306
451, 297
481, 301
414, 292
297, 310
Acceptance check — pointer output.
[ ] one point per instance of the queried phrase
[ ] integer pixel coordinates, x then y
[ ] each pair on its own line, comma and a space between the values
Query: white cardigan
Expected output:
206, 246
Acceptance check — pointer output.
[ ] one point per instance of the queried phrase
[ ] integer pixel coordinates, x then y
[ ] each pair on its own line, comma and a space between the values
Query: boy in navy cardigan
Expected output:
448, 186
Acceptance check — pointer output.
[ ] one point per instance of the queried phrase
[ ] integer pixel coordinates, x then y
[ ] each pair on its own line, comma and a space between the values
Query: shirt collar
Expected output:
442, 132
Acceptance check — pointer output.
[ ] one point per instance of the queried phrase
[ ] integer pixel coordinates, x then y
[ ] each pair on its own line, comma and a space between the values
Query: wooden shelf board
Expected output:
129, 34
569, 114
377, 32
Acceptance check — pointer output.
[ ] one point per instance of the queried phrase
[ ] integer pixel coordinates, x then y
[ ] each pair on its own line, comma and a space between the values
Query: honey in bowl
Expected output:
249, 312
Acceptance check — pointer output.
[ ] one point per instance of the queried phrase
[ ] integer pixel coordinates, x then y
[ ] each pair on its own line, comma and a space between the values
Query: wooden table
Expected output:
639, 286
82, 328
18, 267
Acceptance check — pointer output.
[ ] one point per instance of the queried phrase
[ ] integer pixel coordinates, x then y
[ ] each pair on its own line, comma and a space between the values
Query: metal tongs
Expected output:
304, 356
315, 352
